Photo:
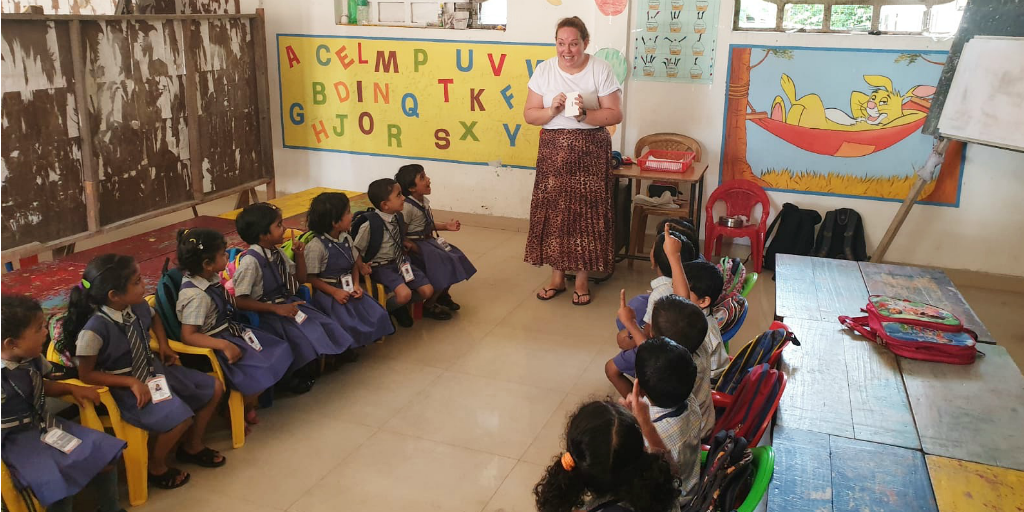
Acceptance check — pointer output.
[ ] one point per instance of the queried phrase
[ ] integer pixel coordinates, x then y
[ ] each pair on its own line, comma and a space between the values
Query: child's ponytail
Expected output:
651, 487
106, 273
560, 490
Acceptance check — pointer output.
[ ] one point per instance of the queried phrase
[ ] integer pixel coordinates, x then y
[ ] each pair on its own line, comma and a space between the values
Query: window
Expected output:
475, 14
884, 16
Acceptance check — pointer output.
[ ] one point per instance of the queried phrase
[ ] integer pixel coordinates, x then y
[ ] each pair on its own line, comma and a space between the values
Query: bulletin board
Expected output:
454, 101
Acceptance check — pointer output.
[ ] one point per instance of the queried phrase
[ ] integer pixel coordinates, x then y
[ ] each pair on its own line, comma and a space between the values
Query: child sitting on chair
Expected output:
705, 285
380, 240
662, 401
332, 266
632, 332
267, 281
52, 457
443, 263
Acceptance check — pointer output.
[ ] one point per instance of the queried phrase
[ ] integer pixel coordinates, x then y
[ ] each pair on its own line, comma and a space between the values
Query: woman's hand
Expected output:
583, 111
557, 105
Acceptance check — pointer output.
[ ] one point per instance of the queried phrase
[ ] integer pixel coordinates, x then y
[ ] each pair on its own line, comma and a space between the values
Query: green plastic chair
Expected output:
748, 283
764, 468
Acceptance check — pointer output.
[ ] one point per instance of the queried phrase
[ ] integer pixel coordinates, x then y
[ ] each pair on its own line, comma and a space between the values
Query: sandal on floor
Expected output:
542, 294
577, 299
169, 479
206, 457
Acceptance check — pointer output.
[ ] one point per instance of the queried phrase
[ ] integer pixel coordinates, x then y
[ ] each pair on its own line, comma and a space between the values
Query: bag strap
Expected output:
860, 326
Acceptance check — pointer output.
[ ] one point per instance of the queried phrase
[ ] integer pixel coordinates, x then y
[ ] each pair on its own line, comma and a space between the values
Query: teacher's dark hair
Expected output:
576, 23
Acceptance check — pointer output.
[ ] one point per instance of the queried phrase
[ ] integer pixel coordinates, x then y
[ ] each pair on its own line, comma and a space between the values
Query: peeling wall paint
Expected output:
42, 192
61, 6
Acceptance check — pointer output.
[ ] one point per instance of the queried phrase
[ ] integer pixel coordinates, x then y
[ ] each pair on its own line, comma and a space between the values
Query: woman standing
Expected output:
571, 212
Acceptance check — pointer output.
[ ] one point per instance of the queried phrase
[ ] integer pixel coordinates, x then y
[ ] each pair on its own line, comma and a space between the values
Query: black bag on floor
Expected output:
795, 233
725, 475
841, 236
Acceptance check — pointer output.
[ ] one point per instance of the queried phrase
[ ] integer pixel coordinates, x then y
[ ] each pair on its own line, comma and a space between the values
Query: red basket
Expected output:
666, 161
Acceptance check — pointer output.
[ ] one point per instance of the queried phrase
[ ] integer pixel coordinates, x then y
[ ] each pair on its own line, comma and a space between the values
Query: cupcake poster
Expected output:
675, 40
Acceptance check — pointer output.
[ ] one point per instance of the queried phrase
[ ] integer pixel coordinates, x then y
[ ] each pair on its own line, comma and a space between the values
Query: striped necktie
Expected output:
139, 344
291, 285
46, 420
233, 327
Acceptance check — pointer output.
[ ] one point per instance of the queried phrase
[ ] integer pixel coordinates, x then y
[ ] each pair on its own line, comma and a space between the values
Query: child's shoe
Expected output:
403, 317
437, 312
446, 300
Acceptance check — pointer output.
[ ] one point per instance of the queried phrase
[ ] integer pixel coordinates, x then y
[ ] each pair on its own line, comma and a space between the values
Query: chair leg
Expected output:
709, 243
236, 411
634, 224
136, 463
718, 244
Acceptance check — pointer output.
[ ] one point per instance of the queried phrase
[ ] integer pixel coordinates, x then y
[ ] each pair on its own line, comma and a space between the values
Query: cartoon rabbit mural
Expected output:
882, 108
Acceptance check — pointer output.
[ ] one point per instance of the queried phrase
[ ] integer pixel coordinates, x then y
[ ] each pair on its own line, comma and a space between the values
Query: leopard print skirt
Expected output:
571, 213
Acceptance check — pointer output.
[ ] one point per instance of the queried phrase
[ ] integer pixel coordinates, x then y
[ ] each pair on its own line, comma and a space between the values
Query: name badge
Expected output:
406, 269
300, 317
61, 440
444, 243
158, 389
250, 338
347, 284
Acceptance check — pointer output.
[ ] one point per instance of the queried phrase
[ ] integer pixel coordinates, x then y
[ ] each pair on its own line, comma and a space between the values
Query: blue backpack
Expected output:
167, 299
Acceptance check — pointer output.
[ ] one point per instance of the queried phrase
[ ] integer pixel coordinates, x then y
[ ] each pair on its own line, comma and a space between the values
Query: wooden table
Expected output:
815, 472
843, 389
823, 289
694, 177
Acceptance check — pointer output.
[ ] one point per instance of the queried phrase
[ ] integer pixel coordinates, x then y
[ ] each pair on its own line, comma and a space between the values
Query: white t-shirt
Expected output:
594, 81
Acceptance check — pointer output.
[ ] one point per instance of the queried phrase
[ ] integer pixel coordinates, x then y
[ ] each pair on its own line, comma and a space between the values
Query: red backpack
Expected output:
915, 330
749, 411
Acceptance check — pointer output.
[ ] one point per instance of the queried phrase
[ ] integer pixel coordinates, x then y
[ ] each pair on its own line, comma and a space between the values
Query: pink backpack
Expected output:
915, 330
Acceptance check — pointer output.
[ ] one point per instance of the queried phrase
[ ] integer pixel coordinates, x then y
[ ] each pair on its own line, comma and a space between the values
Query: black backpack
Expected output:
841, 236
376, 230
725, 477
795, 233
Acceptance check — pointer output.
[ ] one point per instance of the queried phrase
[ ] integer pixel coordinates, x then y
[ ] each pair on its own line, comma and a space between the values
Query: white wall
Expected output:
983, 234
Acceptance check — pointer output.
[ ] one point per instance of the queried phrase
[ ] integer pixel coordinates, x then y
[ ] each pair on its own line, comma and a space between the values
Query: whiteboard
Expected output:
985, 103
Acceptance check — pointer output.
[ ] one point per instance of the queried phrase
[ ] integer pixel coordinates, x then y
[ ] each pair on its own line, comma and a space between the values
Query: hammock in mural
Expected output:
842, 143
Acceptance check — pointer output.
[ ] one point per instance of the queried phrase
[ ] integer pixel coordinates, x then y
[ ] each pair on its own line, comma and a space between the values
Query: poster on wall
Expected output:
853, 130
674, 40
452, 101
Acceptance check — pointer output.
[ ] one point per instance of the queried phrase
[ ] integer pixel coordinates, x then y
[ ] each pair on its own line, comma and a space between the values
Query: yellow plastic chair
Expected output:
236, 403
15, 500
135, 455
376, 290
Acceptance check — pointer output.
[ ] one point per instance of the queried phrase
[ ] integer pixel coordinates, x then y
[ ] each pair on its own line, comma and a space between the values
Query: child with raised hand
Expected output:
633, 332
664, 405
332, 267
605, 467
705, 284
387, 260
266, 282
52, 457
107, 330
443, 263
252, 359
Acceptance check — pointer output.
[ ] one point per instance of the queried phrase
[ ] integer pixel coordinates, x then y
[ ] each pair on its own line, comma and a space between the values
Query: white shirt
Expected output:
660, 287
593, 81
716, 347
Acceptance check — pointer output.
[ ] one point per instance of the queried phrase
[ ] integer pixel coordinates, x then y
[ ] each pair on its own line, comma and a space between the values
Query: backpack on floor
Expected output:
915, 330
841, 236
763, 349
725, 476
167, 299
795, 233
753, 404
376, 230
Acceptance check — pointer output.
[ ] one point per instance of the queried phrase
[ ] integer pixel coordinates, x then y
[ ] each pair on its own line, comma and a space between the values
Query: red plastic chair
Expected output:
740, 197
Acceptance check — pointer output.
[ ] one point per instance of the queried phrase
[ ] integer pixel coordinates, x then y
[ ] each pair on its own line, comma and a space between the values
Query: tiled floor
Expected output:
456, 416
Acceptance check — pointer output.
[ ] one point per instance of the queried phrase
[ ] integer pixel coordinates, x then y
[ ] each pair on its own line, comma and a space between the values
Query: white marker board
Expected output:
985, 102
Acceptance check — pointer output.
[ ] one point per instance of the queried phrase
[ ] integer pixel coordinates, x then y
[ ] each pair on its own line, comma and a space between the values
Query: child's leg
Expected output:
162, 447
402, 295
105, 484
427, 293
194, 442
622, 384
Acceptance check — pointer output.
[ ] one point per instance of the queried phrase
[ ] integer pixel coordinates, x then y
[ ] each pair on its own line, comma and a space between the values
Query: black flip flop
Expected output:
168, 479
544, 291
577, 298
206, 457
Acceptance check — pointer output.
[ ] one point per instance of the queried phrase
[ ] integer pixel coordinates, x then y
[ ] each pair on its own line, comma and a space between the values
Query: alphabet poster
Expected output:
853, 130
675, 40
452, 101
